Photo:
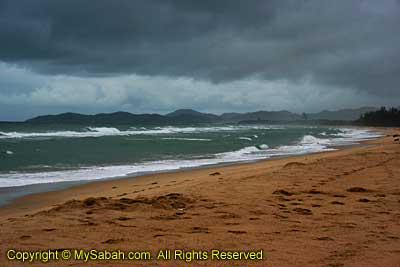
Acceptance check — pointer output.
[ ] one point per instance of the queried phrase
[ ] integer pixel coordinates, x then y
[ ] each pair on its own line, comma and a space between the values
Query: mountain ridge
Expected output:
188, 116
350, 114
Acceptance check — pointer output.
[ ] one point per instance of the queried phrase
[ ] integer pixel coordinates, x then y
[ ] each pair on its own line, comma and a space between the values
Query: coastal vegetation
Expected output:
382, 117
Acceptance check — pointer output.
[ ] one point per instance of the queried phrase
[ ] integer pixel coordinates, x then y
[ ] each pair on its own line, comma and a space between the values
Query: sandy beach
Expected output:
339, 208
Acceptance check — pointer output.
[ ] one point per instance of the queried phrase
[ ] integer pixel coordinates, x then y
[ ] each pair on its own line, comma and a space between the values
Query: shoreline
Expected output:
334, 208
35, 175
18, 202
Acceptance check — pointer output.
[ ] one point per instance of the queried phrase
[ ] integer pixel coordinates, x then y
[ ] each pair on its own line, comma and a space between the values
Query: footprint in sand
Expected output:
49, 229
258, 212
238, 232
314, 191
123, 218
294, 164
113, 241
282, 192
158, 235
229, 216
357, 190
137, 191
164, 217
90, 201
232, 223
337, 203
325, 238
197, 229
303, 211
338, 195
280, 216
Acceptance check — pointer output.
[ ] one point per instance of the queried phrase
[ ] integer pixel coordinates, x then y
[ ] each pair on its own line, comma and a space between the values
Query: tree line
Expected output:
381, 117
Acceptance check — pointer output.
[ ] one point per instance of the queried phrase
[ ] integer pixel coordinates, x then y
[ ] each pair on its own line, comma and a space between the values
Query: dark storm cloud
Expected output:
349, 44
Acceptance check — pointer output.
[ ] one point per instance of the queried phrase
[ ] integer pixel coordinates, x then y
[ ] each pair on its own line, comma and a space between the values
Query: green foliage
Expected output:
381, 117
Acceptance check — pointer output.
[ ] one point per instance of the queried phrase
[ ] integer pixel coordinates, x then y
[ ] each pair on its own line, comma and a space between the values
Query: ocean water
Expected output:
35, 158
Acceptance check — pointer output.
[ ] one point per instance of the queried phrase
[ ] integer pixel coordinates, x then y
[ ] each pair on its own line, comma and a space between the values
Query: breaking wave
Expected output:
307, 144
111, 131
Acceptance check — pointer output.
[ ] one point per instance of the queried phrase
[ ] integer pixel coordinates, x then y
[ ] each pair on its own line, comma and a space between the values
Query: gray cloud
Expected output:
348, 48
345, 42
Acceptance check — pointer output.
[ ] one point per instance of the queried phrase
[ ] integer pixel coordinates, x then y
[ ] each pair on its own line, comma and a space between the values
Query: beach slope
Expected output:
339, 208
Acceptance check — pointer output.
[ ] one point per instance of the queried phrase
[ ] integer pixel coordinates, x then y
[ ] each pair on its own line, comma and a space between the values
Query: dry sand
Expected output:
338, 208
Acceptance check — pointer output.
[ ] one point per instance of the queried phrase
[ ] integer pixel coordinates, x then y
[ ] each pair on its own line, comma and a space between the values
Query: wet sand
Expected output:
339, 208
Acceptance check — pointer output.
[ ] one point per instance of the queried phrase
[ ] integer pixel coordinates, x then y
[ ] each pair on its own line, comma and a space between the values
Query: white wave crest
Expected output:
104, 130
308, 144
111, 131
263, 146
7, 152
186, 139
309, 139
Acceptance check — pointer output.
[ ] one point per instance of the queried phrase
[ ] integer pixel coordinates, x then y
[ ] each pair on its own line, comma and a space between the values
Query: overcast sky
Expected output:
215, 56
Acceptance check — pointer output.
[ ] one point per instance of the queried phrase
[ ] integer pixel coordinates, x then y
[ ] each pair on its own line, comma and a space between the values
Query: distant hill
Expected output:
102, 118
343, 114
191, 112
190, 116
180, 116
229, 116
261, 116
176, 117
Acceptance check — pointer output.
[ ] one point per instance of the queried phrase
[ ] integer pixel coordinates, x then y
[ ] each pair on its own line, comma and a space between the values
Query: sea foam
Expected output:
307, 144
111, 131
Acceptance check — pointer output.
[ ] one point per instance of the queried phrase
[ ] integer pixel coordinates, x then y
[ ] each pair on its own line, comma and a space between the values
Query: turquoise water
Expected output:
51, 154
